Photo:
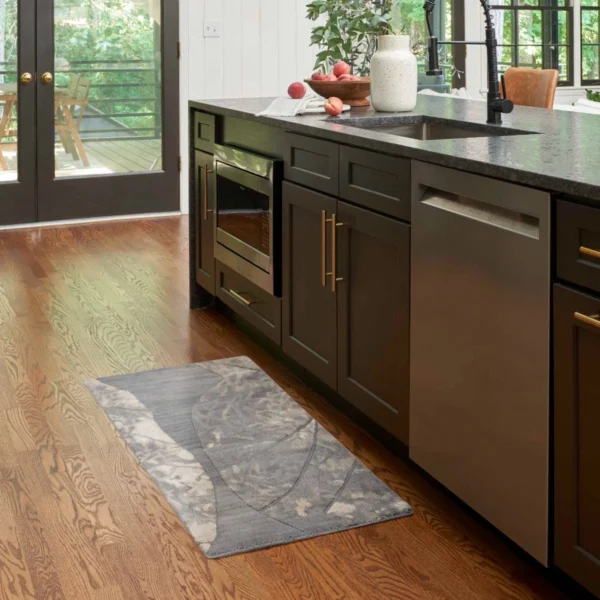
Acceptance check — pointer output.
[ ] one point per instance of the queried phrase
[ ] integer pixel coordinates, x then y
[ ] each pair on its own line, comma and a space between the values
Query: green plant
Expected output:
592, 95
348, 31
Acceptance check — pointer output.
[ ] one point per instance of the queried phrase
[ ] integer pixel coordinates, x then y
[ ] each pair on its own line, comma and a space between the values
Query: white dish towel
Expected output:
288, 107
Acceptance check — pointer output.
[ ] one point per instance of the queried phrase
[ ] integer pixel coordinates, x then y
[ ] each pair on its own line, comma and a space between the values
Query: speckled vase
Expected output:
394, 75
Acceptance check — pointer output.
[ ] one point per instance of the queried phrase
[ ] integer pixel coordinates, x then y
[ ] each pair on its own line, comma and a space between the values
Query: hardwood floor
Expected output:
80, 520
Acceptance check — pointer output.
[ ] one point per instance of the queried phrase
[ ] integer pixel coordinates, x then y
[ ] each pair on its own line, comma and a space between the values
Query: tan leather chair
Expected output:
531, 87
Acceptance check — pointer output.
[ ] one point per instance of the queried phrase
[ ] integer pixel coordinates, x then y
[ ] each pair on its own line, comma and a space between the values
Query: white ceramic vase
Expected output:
393, 75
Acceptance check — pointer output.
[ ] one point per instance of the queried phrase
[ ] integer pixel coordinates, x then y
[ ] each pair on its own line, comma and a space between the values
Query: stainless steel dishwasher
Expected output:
480, 346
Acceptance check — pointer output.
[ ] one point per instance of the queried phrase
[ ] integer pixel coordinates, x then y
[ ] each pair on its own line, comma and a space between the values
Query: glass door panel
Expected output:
9, 90
108, 87
107, 108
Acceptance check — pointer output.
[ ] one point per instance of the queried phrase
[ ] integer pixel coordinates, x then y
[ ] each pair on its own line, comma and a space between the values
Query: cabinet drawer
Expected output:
204, 131
256, 306
578, 244
376, 181
312, 162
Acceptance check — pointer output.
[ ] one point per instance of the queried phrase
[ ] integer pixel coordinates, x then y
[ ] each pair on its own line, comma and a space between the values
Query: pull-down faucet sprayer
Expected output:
495, 102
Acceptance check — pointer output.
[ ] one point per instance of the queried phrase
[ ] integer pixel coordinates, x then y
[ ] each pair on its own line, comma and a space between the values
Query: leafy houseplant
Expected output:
592, 95
349, 31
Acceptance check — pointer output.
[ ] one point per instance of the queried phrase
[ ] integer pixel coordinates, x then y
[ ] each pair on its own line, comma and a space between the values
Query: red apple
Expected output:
297, 90
341, 68
334, 106
331, 77
319, 76
346, 77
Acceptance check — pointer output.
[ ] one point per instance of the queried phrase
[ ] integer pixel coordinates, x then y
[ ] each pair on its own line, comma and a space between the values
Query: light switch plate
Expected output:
212, 29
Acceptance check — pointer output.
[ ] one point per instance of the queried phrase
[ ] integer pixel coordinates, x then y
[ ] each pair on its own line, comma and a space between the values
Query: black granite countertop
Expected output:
563, 157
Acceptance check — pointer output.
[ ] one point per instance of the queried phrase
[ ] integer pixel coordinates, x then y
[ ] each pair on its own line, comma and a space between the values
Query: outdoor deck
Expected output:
122, 156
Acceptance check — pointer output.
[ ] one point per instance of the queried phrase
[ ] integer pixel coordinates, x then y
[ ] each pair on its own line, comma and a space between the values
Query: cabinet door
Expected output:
309, 304
204, 187
373, 316
576, 439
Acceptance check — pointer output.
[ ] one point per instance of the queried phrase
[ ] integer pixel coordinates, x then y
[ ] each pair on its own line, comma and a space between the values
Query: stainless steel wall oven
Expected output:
248, 215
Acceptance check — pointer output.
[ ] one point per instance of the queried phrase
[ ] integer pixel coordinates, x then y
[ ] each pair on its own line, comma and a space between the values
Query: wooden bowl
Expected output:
353, 93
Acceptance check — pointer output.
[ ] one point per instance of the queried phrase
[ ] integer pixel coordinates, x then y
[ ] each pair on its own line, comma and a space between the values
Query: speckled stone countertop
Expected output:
563, 157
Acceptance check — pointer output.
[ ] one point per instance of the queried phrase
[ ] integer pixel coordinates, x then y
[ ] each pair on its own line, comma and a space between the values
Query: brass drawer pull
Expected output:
241, 298
207, 210
593, 320
589, 252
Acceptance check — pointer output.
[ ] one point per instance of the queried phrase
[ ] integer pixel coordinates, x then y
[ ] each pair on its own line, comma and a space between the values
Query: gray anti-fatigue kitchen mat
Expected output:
243, 465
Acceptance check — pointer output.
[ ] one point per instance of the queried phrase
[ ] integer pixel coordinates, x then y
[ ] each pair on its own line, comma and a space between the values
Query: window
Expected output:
590, 42
413, 24
536, 33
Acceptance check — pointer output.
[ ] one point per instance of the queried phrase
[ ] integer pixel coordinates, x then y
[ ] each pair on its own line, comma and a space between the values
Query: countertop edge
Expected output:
553, 184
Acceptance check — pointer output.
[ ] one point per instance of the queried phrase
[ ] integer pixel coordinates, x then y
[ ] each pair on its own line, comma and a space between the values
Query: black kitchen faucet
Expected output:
496, 104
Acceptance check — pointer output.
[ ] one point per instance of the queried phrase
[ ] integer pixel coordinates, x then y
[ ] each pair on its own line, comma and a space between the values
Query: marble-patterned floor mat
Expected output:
243, 465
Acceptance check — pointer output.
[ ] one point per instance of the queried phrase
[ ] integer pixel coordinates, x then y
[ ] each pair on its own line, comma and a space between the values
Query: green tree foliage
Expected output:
119, 43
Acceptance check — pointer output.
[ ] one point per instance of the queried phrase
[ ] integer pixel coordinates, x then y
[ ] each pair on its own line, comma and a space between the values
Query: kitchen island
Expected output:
412, 262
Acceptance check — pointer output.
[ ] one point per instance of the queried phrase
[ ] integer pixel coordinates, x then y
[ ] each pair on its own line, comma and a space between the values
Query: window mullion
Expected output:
576, 44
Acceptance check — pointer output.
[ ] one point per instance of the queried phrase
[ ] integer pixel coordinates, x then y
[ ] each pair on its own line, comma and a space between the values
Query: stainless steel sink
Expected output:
428, 128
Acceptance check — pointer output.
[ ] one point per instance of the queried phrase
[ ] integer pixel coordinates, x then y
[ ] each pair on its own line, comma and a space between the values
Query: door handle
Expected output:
207, 210
26, 78
47, 78
593, 320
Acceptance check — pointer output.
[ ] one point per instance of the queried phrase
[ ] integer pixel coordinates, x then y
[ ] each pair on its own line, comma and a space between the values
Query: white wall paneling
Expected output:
264, 46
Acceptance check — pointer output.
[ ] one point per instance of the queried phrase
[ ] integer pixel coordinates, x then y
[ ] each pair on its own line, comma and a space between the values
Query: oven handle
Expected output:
255, 164
248, 180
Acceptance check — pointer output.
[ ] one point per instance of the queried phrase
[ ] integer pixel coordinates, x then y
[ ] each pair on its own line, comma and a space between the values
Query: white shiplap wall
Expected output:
264, 46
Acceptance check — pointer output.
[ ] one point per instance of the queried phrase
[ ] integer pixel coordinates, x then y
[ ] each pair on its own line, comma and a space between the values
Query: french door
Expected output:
89, 100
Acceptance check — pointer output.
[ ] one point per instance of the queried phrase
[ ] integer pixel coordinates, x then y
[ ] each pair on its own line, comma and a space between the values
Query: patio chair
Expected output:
531, 87
67, 124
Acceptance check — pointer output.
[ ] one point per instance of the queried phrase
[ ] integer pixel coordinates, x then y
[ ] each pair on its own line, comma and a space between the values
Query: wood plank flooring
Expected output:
79, 519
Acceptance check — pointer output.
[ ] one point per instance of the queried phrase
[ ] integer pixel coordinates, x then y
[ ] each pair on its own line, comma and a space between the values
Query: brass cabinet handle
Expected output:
334, 278
26, 78
589, 252
241, 298
593, 320
207, 210
47, 78
324, 273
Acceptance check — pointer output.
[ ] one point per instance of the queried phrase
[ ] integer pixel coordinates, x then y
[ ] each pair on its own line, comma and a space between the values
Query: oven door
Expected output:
244, 220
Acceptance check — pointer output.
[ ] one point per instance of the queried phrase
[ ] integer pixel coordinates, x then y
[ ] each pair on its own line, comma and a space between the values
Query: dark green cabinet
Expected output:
204, 191
309, 306
373, 299
576, 436
346, 301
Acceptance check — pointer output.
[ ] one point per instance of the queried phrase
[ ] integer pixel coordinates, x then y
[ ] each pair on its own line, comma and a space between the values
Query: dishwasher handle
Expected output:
512, 207
484, 212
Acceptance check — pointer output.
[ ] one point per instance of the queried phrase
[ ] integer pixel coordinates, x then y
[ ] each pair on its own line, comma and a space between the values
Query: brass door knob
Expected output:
26, 78
47, 78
